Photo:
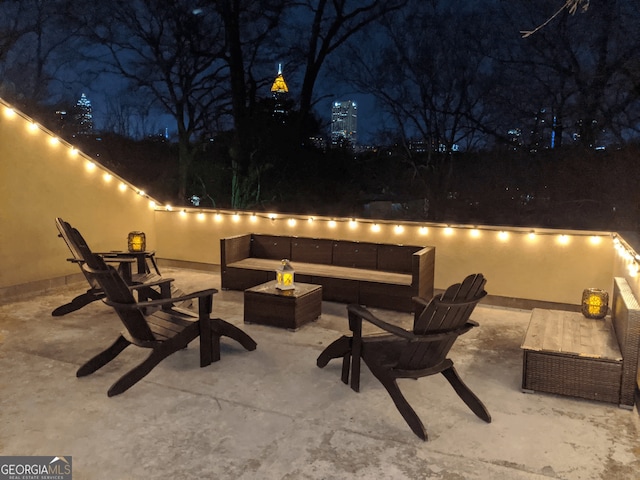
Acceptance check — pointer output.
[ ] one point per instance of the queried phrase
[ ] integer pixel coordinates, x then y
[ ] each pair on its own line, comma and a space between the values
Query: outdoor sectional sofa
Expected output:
373, 274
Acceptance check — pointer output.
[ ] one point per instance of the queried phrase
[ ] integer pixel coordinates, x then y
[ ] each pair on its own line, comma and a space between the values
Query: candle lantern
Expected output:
137, 242
595, 303
284, 276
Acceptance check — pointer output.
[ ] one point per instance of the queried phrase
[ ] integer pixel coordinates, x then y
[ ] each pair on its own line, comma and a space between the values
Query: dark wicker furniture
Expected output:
266, 305
567, 354
376, 275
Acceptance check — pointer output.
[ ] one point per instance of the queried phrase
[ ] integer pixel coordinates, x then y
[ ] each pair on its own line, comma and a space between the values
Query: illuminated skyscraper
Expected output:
279, 91
83, 116
344, 122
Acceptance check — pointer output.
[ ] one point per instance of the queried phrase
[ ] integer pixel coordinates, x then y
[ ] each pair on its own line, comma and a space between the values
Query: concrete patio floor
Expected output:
272, 414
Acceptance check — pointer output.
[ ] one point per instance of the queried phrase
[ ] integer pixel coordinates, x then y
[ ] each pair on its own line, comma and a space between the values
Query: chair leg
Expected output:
346, 367
208, 352
226, 329
407, 412
356, 352
104, 357
467, 396
338, 348
77, 303
138, 373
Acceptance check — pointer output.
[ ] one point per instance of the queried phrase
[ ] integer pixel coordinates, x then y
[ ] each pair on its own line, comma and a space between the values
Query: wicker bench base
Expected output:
567, 354
572, 375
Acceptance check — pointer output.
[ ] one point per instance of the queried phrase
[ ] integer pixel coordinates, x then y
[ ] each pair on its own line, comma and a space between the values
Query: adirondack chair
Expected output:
66, 232
412, 354
165, 331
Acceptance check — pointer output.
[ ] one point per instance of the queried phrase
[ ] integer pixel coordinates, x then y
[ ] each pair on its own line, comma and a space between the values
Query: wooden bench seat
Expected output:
330, 271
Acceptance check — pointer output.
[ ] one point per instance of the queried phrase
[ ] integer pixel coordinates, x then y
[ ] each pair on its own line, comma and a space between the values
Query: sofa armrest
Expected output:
423, 272
233, 249
625, 316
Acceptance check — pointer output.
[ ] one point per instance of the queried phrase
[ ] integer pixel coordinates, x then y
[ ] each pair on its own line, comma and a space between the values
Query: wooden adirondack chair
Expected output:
79, 248
165, 331
412, 354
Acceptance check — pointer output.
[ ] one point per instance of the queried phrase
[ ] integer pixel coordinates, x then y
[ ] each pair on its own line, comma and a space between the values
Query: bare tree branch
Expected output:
570, 5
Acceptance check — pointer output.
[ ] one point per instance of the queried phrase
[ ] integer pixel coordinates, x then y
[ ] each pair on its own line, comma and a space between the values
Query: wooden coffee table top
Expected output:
269, 288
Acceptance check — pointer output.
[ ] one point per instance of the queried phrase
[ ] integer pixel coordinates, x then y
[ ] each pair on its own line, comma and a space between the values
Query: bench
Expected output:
567, 354
376, 275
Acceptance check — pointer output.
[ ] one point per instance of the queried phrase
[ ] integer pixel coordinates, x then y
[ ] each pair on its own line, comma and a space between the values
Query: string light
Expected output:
32, 126
200, 216
474, 232
625, 251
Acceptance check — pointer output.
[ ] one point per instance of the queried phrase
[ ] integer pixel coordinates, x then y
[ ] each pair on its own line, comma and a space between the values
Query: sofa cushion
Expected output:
274, 247
355, 255
311, 250
396, 258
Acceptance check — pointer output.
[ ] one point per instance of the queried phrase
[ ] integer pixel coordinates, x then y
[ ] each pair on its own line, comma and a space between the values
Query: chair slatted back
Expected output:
446, 312
67, 234
115, 289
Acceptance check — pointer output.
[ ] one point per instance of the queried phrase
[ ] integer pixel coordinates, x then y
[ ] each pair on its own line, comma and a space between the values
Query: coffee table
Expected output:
266, 305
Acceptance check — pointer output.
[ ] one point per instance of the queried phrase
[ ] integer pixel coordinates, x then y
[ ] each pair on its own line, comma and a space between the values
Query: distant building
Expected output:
344, 123
83, 116
279, 92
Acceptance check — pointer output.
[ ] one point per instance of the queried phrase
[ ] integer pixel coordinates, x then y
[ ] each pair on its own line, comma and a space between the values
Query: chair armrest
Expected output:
160, 281
123, 254
358, 311
163, 301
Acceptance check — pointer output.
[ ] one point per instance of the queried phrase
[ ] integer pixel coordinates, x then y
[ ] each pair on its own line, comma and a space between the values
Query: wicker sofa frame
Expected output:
609, 378
377, 275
